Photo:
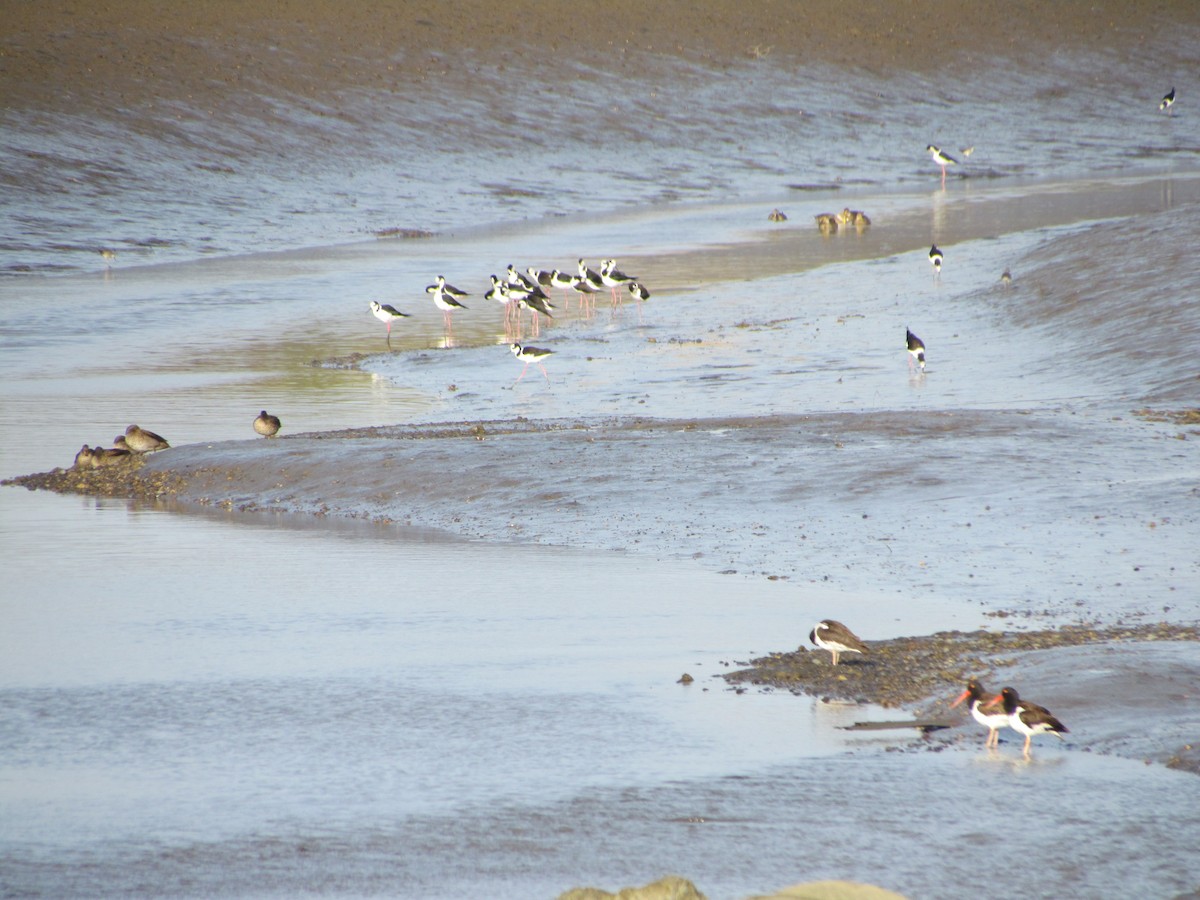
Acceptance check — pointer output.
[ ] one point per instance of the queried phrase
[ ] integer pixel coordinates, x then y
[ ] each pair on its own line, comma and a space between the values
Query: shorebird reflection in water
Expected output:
831, 635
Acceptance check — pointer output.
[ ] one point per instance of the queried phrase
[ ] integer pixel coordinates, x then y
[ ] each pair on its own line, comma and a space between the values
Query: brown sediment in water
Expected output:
77, 56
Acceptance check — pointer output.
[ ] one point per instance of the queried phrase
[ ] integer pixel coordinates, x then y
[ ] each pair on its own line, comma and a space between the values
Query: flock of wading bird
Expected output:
1005, 709
519, 292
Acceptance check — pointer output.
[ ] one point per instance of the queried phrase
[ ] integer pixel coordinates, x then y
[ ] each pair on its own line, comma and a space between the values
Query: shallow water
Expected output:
213, 702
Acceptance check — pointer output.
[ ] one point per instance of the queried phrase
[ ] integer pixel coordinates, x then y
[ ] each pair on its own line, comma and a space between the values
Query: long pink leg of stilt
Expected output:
523, 371
543, 368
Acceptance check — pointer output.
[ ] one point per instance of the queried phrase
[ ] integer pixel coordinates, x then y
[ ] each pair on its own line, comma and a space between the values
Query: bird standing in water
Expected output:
1027, 718
916, 350
942, 159
935, 259
386, 313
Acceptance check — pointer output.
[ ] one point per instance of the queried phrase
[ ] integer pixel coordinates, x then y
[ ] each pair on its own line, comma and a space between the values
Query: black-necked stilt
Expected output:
446, 302
1027, 718
540, 276
447, 289
992, 721
1167, 102
529, 355
916, 349
935, 259
831, 635
591, 276
585, 287
266, 424
386, 313
638, 291
776, 215
140, 440
613, 278
534, 301
942, 159
827, 223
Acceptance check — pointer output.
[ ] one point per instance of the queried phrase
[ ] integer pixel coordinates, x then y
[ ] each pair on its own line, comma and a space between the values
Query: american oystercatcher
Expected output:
266, 424
139, 440
386, 313
835, 637
992, 721
942, 159
935, 259
529, 355
1167, 102
1027, 718
916, 350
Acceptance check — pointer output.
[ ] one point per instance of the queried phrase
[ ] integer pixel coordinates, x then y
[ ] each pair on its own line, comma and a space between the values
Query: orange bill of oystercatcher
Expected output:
831, 635
1027, 718
992, 721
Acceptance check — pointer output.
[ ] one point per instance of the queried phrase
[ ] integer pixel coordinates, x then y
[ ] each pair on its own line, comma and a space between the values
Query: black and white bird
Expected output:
942, 159
1027, 718
613, 277
935, 259
531, 356
448, 289
446, 301
831, 635
638, 291
992, 721
1167, 102
916, 350
386, 313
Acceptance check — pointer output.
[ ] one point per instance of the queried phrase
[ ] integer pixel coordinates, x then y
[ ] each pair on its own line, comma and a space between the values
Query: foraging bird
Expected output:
529, 355
916, 350
993, 721
1167, 102
139, 440
935, 259
1006, 278
835, 637
110, 256
827, 223
386, 313
266, 424
1027, 718
942, 159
